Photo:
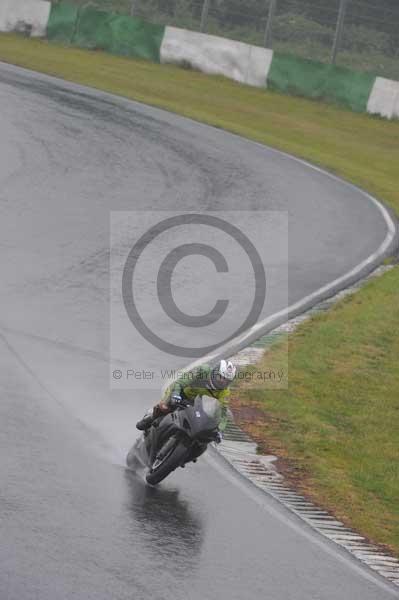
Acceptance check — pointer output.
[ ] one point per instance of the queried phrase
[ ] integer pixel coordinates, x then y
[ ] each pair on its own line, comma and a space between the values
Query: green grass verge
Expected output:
339, 420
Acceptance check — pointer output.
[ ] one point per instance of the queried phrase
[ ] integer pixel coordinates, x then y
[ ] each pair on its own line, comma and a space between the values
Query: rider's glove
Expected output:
219, 437
176, 400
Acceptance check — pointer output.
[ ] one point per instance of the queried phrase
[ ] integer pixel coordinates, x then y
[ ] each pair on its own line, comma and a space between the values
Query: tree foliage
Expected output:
382, 15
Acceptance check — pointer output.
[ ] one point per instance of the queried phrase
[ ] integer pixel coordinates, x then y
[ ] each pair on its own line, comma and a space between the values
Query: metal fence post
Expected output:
133, 7
204, 15
339, 30
269, 24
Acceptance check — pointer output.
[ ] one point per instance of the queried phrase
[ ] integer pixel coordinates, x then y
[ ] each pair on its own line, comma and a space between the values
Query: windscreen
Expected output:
211, 407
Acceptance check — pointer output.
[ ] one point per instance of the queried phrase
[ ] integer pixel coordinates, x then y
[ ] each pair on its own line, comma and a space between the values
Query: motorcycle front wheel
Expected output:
164, 466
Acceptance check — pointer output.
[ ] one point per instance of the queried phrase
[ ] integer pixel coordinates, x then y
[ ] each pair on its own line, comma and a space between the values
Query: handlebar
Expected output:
176, 401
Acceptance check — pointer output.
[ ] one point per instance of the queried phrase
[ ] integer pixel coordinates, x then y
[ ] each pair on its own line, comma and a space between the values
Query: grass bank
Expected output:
338, 424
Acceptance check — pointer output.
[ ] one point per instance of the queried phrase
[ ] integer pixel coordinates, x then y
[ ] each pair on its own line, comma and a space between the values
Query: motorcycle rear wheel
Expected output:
167, 464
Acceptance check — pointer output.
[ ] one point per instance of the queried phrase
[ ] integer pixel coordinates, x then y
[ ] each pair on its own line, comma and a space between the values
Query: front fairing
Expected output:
197, 423
201, 418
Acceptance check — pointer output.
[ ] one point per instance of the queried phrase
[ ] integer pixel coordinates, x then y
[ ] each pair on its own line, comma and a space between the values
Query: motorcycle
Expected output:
175, 439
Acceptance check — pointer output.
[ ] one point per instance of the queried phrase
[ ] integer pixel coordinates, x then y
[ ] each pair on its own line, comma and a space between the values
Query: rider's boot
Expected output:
146, 422
159, 410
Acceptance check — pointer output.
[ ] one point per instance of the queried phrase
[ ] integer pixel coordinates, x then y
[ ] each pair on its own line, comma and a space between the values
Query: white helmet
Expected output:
222, 375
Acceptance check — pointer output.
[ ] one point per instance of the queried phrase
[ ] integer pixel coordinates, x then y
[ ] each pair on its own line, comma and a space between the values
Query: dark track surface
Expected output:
73, 522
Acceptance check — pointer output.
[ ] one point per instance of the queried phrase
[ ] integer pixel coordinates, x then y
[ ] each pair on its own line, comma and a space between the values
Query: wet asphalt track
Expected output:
73, 522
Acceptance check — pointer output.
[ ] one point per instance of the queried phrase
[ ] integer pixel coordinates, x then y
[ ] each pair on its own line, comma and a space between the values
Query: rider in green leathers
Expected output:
202, 381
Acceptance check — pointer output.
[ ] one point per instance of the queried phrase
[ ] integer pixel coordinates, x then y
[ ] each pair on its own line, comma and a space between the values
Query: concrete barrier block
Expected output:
395, 113
25, 15
259, 63
3, 14
384, 98
214, 55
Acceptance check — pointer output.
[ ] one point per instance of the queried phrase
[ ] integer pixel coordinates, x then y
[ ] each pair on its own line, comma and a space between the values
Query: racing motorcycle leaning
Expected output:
177, 438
